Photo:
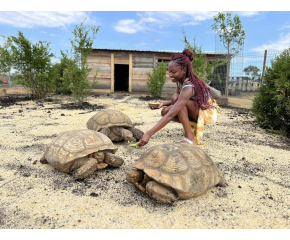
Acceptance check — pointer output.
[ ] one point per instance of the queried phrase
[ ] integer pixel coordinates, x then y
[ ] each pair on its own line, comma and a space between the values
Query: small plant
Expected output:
156, 80
271, 104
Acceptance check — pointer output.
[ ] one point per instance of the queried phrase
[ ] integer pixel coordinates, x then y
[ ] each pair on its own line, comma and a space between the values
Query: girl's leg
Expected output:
165, 110
186, 115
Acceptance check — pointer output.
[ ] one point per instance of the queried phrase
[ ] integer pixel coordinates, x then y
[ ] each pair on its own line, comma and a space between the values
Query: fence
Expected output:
246, 72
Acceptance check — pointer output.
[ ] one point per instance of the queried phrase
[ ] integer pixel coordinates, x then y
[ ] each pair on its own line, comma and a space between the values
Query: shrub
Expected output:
156, 80
32, 62
271, 104
76, 71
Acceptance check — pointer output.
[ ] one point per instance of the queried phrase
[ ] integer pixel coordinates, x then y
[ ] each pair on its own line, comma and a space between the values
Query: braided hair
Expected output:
202, 92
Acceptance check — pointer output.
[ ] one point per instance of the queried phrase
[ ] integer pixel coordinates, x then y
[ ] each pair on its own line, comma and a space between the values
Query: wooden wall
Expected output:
142, 62
100, 62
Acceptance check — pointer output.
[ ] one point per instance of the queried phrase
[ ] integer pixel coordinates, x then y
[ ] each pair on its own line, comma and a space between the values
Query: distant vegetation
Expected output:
35, 70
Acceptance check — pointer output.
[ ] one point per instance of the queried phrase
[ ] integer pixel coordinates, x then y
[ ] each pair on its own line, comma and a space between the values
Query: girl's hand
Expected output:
157, 106
144, 140
160, 105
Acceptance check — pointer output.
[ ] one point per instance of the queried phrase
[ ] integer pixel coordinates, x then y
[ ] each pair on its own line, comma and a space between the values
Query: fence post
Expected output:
264, 65
9, 80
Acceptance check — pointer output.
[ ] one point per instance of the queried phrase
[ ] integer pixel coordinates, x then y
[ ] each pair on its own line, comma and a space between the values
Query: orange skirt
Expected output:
208, 116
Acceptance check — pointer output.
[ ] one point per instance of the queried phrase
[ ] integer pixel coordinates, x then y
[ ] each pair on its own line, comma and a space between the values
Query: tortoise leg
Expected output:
102, 166
135, 176
85, 170
161, 193
113, 160
123, 133
43, 160
137, 133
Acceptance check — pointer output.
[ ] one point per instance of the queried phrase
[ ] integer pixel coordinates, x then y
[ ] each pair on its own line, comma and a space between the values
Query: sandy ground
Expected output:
34, 195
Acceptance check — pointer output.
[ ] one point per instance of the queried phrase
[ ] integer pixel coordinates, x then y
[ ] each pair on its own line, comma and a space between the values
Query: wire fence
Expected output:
245, 73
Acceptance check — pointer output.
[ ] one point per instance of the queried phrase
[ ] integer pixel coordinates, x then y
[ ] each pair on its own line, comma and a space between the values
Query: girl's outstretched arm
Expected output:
175, 109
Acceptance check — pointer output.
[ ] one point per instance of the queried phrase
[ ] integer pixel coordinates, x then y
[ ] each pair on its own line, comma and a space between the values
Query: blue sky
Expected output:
148, 29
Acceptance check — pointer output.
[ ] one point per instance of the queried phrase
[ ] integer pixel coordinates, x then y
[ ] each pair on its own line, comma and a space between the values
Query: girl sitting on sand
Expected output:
192, 105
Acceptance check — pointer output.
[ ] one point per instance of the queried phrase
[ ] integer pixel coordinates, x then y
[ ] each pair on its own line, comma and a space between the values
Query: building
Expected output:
126, 70
244, 84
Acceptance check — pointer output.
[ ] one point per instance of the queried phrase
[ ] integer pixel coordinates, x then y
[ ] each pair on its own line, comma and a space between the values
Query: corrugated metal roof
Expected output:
165, 51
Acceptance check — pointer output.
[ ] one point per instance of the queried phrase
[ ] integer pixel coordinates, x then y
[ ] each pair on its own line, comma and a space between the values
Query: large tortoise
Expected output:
81, 152
169, 172
115, 125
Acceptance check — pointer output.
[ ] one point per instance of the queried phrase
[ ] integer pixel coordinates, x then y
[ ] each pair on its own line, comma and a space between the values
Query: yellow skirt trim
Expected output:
208, 116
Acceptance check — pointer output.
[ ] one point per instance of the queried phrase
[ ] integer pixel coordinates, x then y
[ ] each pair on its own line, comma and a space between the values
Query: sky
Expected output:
124, 25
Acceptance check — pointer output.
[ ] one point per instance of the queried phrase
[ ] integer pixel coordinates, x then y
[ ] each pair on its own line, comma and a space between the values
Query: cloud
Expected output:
247, 13
44, 19
281, 44
149, 21
285, 26
129, 26
65, 44
191, 23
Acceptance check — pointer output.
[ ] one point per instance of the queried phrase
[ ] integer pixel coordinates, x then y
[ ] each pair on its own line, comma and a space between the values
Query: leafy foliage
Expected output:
271, 104
156, 80
203, 69
63, 86
76, 72
253, 70
230, 31
32, 63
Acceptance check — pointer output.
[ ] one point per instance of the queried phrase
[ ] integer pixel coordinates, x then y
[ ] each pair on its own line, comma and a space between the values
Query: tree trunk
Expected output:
227, 78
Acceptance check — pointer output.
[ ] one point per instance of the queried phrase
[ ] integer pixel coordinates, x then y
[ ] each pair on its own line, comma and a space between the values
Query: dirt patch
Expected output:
14, 100
35, 195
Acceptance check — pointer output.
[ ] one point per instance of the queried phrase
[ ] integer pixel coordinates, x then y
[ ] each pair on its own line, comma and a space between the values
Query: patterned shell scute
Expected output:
71, 145
181, 166
108, 118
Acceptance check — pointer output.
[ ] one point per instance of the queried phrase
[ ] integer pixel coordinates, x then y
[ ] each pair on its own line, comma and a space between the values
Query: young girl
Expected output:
192, 105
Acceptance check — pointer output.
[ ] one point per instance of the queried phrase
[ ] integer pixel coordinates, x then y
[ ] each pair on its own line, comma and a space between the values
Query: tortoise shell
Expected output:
183, 167
108, 118
72, 145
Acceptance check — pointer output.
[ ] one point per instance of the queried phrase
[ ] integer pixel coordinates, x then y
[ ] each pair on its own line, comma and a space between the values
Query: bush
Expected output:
76, 71
156, 80
62, 86
271, 104
32, 62
76, 79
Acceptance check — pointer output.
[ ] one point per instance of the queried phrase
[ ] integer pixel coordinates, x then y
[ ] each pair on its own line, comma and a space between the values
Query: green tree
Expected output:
63, 86
271, 104
232, 35
75, 75
202, 68
253, 70
32, 63
156, 80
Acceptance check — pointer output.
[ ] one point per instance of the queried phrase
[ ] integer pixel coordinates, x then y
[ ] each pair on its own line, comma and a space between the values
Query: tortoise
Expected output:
81, 152
115, 125
169, 172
